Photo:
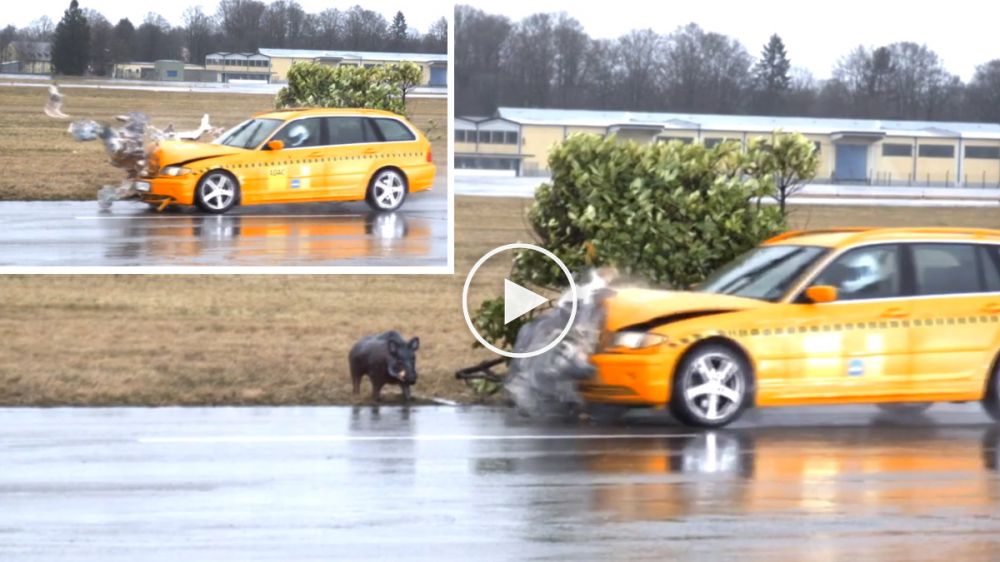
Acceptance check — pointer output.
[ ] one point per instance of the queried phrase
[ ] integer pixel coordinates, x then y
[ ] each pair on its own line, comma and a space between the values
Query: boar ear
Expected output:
393, 347
415, 344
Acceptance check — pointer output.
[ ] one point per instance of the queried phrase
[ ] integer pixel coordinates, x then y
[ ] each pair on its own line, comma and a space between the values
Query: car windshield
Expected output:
764, 273
249, 134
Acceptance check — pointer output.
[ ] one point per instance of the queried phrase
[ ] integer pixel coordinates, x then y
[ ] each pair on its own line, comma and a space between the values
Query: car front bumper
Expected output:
179, 190
630, 378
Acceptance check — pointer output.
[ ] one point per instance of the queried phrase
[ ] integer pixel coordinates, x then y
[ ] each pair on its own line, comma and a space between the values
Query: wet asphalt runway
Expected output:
78, 233
443, 483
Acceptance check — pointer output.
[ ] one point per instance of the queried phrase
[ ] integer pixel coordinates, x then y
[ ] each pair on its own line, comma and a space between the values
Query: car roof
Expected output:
843, 237
296, 112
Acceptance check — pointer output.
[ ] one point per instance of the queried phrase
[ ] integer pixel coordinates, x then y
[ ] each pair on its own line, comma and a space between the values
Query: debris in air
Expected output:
131, 146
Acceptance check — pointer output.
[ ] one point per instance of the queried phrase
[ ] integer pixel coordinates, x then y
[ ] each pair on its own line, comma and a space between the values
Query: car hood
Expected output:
172, 153
650, 308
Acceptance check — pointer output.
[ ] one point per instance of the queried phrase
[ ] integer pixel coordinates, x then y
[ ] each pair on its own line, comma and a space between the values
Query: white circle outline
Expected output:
465, 300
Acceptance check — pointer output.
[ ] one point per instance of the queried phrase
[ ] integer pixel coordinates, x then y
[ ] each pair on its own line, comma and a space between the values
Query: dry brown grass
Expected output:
101, 340
39, 160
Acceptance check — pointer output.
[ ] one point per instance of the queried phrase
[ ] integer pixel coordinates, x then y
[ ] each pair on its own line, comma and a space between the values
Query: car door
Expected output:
352, 154
957, 310
859, 344
297, 171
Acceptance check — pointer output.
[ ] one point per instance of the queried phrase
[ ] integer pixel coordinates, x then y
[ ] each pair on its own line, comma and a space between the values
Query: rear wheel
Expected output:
710, 387
991, 400
386, 191
217, 192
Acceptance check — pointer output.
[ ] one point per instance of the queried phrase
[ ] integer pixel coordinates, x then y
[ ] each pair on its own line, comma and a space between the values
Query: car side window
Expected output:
393, 131
349, 130
990, 258
946, 269
871, 272
301, 133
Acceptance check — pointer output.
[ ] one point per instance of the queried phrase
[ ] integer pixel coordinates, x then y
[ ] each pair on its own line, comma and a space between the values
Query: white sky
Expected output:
816, 34
419, 15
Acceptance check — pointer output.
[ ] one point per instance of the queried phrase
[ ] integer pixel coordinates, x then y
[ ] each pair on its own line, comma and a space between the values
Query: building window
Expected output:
498, 137
484, 137
936, 151
983, 152
819, 146
511, 137
898, 149
171, 74
683, 140
459, 135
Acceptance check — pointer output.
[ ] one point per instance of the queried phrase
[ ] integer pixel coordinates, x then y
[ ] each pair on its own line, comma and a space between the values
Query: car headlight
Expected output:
174, 171
636, 340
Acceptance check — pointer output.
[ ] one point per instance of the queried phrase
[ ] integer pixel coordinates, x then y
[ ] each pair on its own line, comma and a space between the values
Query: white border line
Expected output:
261, 439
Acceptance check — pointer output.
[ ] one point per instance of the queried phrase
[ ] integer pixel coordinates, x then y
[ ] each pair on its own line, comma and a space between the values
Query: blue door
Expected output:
852, 162
439, 76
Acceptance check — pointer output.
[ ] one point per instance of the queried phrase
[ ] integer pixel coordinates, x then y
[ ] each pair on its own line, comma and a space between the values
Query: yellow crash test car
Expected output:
898, 317
295, 155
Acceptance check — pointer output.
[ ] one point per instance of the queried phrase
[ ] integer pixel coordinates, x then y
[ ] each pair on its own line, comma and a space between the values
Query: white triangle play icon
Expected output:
518, 301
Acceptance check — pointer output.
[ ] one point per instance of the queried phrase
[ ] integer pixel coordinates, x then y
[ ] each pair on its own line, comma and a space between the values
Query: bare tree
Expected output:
984, 93
240, 21
199, 34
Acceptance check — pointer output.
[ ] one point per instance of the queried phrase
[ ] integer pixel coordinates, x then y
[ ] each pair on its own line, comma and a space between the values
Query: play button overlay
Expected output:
518, 300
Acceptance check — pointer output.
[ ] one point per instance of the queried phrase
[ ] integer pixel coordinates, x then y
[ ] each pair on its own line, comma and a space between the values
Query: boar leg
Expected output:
406, 393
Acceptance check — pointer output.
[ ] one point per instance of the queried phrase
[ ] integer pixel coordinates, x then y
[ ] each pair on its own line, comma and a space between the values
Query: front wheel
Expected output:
217, 192
711, 387
386, 191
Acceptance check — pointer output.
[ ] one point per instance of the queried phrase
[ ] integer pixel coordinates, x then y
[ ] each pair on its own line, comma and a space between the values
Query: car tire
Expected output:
991, 399
711, 387
387, 190
904, 408
217, 192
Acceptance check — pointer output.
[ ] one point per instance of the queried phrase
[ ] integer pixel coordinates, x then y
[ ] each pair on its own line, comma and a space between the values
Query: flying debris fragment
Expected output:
545, 385
131, 147
53, 107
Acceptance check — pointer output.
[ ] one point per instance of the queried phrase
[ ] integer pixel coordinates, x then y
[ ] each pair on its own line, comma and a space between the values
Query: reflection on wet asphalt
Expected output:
817, 484
76, 233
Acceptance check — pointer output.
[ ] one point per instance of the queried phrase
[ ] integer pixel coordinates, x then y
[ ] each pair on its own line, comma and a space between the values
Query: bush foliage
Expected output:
376, 87
666, 213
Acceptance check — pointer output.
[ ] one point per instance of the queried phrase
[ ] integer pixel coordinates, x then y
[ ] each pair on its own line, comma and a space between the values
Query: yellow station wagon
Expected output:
898, 317
296, 155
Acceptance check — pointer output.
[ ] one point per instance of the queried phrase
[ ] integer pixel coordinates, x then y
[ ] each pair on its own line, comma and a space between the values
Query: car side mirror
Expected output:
819, 294
276, 145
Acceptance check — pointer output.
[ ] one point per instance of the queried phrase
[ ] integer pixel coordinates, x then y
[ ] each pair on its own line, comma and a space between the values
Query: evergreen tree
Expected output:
398, 30
71, 47
772, 74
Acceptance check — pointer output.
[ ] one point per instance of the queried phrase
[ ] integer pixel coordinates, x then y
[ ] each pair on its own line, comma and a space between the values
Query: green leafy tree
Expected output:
668, 213
789, 160
377, 87
71, 46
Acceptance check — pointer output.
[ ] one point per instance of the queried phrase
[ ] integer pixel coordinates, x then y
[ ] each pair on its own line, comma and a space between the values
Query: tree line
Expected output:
547, 60
85, 41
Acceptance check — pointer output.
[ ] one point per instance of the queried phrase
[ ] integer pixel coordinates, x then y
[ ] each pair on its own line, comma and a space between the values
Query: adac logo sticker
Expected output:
855, 367
296, 183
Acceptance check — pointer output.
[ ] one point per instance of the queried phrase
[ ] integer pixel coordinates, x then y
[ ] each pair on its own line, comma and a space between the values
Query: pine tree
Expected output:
71, 47
772, 74
398, 31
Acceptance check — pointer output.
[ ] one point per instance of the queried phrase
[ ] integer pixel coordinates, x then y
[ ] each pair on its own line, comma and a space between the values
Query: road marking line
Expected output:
182, 217
349, 438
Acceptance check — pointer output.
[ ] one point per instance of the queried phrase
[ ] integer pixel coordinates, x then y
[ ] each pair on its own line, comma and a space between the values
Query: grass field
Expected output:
102, 340
39, 160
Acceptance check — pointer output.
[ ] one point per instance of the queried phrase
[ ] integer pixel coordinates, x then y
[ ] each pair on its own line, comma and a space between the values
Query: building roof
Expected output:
749, 123
353, 55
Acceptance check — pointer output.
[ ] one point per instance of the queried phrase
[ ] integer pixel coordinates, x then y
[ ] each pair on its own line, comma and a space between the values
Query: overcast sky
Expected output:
419, 15
962, 32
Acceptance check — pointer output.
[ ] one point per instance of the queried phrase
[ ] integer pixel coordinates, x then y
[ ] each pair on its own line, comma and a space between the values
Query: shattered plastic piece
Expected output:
53, 108
545, 385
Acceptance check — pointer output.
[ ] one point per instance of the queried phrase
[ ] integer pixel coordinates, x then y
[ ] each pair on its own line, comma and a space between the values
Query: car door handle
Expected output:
315, 155
991, 308
895, 312
369, 151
